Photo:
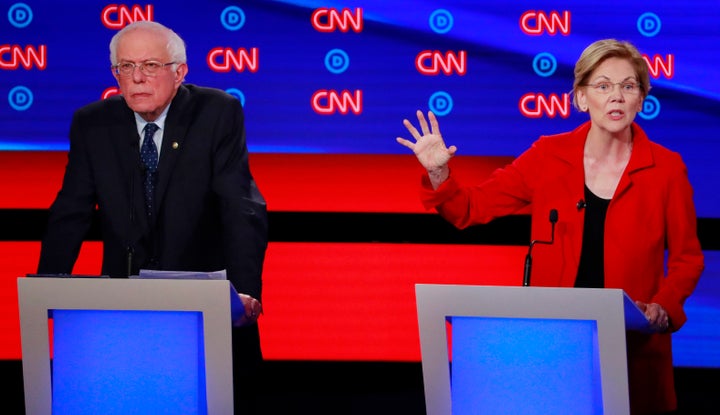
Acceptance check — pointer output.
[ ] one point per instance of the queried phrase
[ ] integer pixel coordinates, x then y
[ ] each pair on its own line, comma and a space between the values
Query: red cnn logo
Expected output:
14, 56
107, 93
224, 59
433, 62
656, 65
327, 102
330, 19
534, 23
117, 16
534, 105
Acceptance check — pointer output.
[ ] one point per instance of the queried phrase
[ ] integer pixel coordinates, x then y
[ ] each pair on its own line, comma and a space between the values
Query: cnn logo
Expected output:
117, 16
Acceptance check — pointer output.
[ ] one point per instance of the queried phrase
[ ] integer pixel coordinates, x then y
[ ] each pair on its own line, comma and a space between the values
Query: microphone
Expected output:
130, 249
528, 257
581, 204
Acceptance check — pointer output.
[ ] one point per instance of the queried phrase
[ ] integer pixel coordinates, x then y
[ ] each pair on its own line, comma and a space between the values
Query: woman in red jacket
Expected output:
622, 201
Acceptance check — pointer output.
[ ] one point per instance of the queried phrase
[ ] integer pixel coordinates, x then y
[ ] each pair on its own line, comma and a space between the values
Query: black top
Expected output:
591, 271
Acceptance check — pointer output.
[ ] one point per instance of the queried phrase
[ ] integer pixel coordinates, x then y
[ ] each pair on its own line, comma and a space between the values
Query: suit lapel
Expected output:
640, 158
125, 140
570, 191
117, 143
176, 126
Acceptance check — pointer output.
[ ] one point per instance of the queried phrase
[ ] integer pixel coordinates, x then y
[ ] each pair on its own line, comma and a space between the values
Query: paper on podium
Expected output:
181, 275
237, 310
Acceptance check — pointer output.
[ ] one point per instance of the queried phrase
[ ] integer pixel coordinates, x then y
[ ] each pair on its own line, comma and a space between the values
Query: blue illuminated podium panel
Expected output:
127, 346
128, 362
525, 350
525, 366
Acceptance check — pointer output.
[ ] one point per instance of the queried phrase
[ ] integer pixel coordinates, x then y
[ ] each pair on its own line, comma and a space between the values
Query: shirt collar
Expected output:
160, 121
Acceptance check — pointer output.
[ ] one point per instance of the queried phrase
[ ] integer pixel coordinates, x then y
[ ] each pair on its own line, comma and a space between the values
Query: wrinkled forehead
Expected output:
615, 69
143, 44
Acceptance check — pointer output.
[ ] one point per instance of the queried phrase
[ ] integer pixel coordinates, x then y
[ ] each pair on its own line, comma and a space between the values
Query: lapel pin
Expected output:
175, 145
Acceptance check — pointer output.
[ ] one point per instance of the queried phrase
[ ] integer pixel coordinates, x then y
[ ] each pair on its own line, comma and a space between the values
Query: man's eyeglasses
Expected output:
606, 87
148, 68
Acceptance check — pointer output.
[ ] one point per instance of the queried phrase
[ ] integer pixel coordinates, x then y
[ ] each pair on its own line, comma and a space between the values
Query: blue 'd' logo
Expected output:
441, 21
20, 15
232, 18
20, 98
337, 61
544, 64
440, 103
650, 109
649, 24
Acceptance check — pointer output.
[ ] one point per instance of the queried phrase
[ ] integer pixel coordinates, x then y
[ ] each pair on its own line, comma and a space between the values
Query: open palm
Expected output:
429, 146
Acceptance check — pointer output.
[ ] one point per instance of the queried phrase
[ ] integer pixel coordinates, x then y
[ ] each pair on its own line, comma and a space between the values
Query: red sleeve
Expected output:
685, 260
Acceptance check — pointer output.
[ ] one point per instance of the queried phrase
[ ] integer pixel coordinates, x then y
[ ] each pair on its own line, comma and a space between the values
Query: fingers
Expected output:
424, 128
435, 127
254, 309
654, 311
657, 317
423, 122
407, 143
411, 128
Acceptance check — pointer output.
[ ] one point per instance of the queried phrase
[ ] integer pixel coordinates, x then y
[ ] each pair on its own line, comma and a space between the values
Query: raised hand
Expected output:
429, 147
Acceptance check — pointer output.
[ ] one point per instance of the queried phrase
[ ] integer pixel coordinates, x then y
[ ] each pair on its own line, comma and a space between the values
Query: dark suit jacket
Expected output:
209, 213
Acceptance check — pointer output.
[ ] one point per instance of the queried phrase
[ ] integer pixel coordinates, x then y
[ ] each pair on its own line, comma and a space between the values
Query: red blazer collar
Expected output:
641, 157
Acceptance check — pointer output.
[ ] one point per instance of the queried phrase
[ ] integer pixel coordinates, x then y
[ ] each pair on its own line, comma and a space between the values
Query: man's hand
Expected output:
253, 309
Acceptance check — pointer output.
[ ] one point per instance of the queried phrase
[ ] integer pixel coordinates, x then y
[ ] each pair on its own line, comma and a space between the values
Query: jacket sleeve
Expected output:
71, 212
685, 261
242, 206
507, 191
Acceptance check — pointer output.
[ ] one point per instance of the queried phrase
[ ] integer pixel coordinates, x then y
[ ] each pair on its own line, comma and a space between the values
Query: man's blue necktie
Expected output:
149, 157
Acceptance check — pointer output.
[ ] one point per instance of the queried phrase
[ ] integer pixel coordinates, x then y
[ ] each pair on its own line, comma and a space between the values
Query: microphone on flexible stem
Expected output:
528, 257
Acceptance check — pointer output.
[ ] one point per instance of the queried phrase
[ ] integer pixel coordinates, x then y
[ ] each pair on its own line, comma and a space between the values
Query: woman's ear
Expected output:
581, 100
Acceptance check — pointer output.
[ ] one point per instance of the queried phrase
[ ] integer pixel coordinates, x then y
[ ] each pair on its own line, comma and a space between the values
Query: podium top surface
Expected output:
530, 302
129, 294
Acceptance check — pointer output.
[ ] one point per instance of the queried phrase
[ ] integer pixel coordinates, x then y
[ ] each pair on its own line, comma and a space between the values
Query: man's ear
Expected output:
180, 73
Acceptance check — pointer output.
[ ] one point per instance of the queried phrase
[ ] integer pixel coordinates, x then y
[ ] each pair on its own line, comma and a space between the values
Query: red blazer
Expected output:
652, 210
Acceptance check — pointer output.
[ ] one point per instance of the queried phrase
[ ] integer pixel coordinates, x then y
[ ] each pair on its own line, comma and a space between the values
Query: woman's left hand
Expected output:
657, 316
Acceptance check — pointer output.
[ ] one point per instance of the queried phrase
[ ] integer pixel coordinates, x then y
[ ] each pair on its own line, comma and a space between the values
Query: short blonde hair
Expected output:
597, 52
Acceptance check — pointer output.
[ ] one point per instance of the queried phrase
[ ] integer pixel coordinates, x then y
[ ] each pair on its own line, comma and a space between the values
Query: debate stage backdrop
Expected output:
325, 86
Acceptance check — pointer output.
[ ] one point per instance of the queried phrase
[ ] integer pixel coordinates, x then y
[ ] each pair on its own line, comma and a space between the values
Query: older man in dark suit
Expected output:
166, 166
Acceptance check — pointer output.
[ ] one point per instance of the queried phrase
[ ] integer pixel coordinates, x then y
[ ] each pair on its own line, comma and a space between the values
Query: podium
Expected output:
127, 345
529, 350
